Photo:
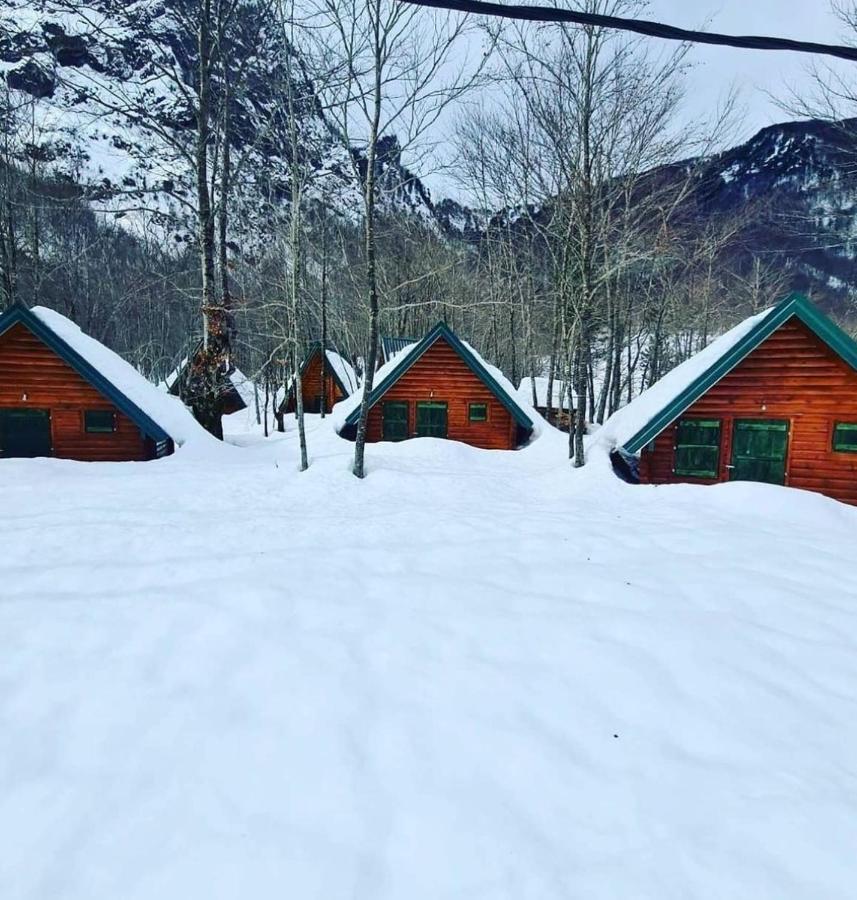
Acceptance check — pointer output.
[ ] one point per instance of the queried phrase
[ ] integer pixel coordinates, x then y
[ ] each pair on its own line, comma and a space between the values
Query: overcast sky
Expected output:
755, 73
759, 76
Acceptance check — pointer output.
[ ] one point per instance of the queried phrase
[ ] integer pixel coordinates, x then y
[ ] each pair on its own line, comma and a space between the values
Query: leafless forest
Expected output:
270, 193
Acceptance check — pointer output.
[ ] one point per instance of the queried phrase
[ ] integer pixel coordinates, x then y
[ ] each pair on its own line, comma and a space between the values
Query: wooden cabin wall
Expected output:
441, 375
792, 376
311, 386
29, 368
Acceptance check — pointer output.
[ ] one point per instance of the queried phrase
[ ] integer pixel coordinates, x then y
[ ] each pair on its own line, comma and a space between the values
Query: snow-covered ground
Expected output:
472, 675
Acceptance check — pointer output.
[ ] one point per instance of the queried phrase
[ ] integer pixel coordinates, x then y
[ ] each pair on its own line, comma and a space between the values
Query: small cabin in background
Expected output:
339, 382
772, 400
64, 394
558, 410
441, 387
238, 390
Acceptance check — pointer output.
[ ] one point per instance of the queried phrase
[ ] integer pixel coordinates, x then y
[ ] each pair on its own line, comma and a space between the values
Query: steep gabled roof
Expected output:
152, 412
407, 358
390, 346
645, 418
337, 366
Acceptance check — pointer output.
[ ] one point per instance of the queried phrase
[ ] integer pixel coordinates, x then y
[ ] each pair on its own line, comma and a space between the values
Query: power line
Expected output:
638, 26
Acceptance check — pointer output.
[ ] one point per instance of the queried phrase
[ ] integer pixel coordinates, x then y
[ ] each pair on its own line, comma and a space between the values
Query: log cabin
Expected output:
441, 387
773, 400
238, 390
64, 394
340, 381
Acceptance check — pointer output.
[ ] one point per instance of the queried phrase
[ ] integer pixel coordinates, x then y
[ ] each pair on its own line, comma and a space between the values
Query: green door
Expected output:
395, 420
431, 419
25, 433
759, 448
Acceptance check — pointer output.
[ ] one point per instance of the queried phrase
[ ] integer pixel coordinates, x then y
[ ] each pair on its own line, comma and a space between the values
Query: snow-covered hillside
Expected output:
473, 674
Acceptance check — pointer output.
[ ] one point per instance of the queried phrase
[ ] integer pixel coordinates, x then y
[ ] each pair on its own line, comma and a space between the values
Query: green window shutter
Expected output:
395, 418
845, 437
477, 412
99, 421
431, 419
697, 448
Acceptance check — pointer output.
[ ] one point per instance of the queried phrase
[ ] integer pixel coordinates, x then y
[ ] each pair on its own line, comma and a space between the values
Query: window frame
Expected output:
88, 429
482, 420
429, 404
407, 420
707, 474
849, 426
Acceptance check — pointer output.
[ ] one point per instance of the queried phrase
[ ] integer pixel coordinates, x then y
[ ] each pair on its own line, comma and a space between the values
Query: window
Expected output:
477, 412
845, 437
697, 448
431, 419
99, 421
395, 423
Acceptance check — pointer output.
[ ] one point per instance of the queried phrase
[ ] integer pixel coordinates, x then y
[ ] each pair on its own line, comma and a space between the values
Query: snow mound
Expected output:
168, 412
343, 370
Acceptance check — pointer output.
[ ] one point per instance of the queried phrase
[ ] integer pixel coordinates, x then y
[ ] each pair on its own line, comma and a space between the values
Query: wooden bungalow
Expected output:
238, 390
772, 400
557, 410
64, 394
339, 382
440, 387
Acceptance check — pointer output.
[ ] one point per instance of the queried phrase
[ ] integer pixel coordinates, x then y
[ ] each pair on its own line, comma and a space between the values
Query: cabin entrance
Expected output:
759, 450
25, 433
431, 419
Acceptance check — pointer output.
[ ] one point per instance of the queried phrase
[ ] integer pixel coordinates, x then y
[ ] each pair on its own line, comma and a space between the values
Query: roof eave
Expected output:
795, 305
20, 314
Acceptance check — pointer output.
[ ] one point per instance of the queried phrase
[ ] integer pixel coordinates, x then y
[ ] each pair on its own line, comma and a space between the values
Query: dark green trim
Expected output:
695, 450
442, 331
795, 305
18, 314
840, 444
478, 418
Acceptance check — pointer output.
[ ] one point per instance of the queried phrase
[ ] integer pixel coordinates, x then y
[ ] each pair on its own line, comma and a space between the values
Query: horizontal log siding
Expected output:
30, 368
311, 386
441, 375
795, 377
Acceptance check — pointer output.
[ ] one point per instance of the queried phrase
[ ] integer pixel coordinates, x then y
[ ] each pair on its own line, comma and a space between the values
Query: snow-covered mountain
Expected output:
83, 61
797, 184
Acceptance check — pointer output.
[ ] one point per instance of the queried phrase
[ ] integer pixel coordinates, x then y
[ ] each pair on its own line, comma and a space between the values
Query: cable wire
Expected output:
638, 26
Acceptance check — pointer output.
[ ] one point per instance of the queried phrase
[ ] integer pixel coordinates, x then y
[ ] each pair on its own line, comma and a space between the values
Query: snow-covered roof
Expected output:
244, 387
521, 409
559, 397
166, 412
343, 370
630, 420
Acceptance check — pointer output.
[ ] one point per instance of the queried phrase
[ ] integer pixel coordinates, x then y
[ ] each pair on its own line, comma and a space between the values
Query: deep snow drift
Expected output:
473, 674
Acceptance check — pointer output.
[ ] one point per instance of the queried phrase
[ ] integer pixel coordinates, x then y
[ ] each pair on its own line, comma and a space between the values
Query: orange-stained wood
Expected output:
441, 375
311, 387
792, 376
33, 376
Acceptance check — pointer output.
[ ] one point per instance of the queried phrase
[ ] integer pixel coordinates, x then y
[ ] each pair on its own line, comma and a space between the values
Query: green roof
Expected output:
794, 306
442, 331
